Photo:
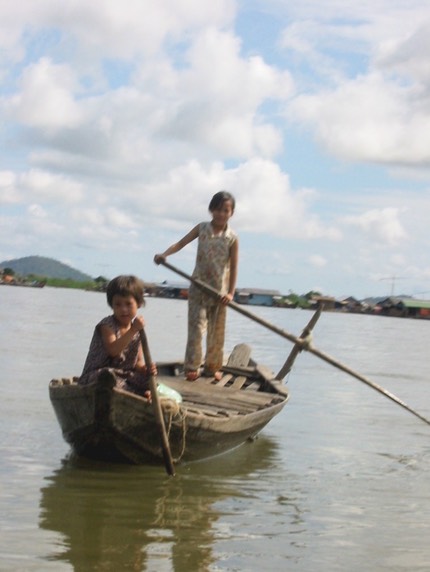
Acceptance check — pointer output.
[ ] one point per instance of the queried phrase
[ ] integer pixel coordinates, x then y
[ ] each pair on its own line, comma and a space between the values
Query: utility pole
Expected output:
393, 281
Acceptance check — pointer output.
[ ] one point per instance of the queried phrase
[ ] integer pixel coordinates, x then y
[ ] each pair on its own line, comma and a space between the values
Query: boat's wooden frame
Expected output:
103, 422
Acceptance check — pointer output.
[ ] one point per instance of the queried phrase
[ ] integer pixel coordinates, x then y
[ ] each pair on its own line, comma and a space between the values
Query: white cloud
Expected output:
370, 119
39, 223
106, 28
215, 98
46, 97
317, 260
198, 111
36, 211
266, 203
382, 225
9, 193
367, 80
46, 186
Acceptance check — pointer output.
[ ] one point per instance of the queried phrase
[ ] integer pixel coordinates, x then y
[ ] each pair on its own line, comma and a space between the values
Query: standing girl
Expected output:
116, 340
216, 264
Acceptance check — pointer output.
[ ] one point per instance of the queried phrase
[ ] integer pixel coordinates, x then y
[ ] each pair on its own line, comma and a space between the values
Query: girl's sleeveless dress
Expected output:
205, 313
122, 365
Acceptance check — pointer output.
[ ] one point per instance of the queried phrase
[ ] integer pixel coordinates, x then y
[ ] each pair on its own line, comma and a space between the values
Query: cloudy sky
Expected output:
120, 120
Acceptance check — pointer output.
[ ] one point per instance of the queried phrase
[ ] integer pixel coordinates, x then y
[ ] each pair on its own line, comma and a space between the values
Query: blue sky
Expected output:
120, 120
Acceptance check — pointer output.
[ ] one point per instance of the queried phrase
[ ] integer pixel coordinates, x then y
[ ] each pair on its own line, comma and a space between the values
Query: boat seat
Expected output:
240, 356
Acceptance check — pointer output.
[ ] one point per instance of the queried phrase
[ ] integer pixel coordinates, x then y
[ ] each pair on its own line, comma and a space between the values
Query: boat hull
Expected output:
103, 422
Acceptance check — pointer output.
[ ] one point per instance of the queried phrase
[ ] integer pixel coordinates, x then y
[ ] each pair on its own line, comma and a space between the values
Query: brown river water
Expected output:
338, 481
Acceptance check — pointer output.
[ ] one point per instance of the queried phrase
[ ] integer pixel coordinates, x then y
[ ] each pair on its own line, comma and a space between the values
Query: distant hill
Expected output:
46, 267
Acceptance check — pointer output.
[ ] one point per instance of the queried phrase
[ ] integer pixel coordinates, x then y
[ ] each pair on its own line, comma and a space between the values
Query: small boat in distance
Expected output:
103, 422
24, 283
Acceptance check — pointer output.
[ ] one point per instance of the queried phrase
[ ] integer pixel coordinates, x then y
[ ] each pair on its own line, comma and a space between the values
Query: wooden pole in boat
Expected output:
298, 341
305, 336
158, 412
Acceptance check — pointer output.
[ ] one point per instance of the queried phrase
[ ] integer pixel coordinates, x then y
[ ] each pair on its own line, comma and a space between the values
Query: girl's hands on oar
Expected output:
138, 324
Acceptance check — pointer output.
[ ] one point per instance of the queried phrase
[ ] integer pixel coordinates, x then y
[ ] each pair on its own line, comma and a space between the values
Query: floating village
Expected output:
395, 306
401, 306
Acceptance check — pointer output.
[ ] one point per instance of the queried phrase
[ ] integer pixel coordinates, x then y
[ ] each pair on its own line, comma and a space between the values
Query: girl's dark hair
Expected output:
126, 286
219, 198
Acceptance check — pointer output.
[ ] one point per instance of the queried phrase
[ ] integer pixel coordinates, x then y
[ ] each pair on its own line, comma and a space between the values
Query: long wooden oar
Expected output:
158, 412
300, 342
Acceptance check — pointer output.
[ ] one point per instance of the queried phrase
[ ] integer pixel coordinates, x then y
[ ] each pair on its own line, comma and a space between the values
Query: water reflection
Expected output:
113, 517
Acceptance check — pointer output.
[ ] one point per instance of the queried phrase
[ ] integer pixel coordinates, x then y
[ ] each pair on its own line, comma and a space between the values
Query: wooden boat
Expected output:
103, 422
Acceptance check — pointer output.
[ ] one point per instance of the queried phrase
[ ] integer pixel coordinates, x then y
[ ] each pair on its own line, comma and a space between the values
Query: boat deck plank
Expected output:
232, 399
238, 383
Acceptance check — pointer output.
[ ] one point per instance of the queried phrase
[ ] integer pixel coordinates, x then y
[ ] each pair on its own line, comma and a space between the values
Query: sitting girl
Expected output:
116, 340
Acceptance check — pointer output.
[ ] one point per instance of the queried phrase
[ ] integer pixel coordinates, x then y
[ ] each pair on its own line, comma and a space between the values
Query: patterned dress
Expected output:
123, 366
205, 313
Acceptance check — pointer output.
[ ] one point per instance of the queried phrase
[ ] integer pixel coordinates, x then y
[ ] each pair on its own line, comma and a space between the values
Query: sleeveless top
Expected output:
213, 256
98, 357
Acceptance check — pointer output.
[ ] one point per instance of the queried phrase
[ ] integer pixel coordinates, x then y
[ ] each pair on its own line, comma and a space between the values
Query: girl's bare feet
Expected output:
217, 375
192, 375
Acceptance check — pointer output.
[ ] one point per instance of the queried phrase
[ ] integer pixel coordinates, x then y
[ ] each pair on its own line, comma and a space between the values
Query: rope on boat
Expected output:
172, 409
307, 340
170, 406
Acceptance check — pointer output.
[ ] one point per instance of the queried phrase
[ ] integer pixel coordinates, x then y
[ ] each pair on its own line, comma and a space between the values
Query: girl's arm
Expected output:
139, 323
189, 237
234, 262
114, 346
140, 364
